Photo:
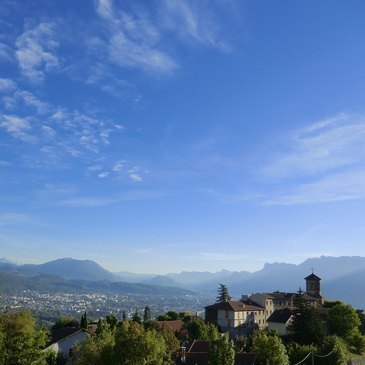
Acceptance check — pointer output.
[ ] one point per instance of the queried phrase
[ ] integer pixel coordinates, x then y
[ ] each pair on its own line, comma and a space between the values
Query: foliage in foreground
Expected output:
21, 340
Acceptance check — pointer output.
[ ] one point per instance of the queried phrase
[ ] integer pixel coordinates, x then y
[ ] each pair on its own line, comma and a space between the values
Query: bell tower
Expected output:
313, 285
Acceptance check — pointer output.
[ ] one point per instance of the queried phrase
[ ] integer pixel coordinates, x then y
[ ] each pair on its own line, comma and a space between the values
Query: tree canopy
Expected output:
21, 339
268, 346
222, 294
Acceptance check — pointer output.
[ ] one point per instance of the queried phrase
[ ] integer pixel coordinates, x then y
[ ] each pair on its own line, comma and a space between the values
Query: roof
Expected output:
199, 346
198, 354
173, 325
312, 277
280, 315
236, 306
62, 333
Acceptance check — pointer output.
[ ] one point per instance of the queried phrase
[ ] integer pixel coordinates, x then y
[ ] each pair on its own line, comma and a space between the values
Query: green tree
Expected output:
268, 346
83, 321
96, 350
221, 351
22, 339
343, 321
356, 342
147, 314
112, 321
297, 352
172, 343
307, 327
64, 322
137, 346
336, 347
136, 317
222, 294
240, 344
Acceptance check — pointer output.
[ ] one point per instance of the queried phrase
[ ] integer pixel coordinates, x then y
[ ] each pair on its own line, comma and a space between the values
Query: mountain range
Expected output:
342, 278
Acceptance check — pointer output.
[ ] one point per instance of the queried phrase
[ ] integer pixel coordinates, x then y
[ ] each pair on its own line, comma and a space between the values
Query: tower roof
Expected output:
312, 277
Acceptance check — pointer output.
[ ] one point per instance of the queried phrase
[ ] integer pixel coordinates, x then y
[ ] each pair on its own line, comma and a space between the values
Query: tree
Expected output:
343, 321
221, 351
22, 339
64, 322
168, 334
307, 327
135, 345
147, 314
112, 321
336, 347
96, 350
357, 342
268, 346
83, 321
222, 295
136, 317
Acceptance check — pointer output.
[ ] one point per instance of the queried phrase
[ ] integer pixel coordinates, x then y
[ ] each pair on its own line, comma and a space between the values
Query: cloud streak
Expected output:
325, 163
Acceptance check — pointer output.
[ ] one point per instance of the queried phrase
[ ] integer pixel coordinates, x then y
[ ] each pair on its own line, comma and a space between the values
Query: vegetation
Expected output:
222, 295
326, 340
307, 327
21, 340
268, 346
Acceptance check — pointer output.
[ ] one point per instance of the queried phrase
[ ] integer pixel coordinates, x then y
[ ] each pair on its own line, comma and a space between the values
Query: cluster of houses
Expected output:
235, 317
262, 310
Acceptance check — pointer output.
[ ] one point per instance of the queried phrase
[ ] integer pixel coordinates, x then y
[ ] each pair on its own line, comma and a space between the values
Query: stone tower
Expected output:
313, 285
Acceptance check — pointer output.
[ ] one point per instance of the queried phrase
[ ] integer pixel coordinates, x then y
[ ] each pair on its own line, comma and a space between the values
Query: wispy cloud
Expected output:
13, 218
133, 41
193, 21
323, 146
100, 201
325, 163
6, 53
16, 126
36, 52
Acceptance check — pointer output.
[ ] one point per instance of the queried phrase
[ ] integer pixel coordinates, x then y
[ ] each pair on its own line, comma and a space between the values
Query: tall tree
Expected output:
268, 347
83, 321
307, 327
221, 351
222, 295
147, 314
22, 339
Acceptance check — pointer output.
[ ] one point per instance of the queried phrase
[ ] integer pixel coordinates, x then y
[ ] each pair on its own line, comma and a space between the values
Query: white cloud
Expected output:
16, 126
36, 52
193, 21
133, 41
344, 186
321, 147
7, 85
6, 52
119, 166
134, 174
325, 163
103, 175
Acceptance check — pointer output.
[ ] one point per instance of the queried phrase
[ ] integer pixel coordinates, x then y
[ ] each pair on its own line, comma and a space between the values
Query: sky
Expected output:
167, 135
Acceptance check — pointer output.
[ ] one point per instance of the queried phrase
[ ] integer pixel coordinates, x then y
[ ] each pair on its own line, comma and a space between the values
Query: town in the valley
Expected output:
278, 328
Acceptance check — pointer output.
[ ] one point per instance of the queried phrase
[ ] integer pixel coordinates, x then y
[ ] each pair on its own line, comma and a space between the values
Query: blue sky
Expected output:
169, 135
